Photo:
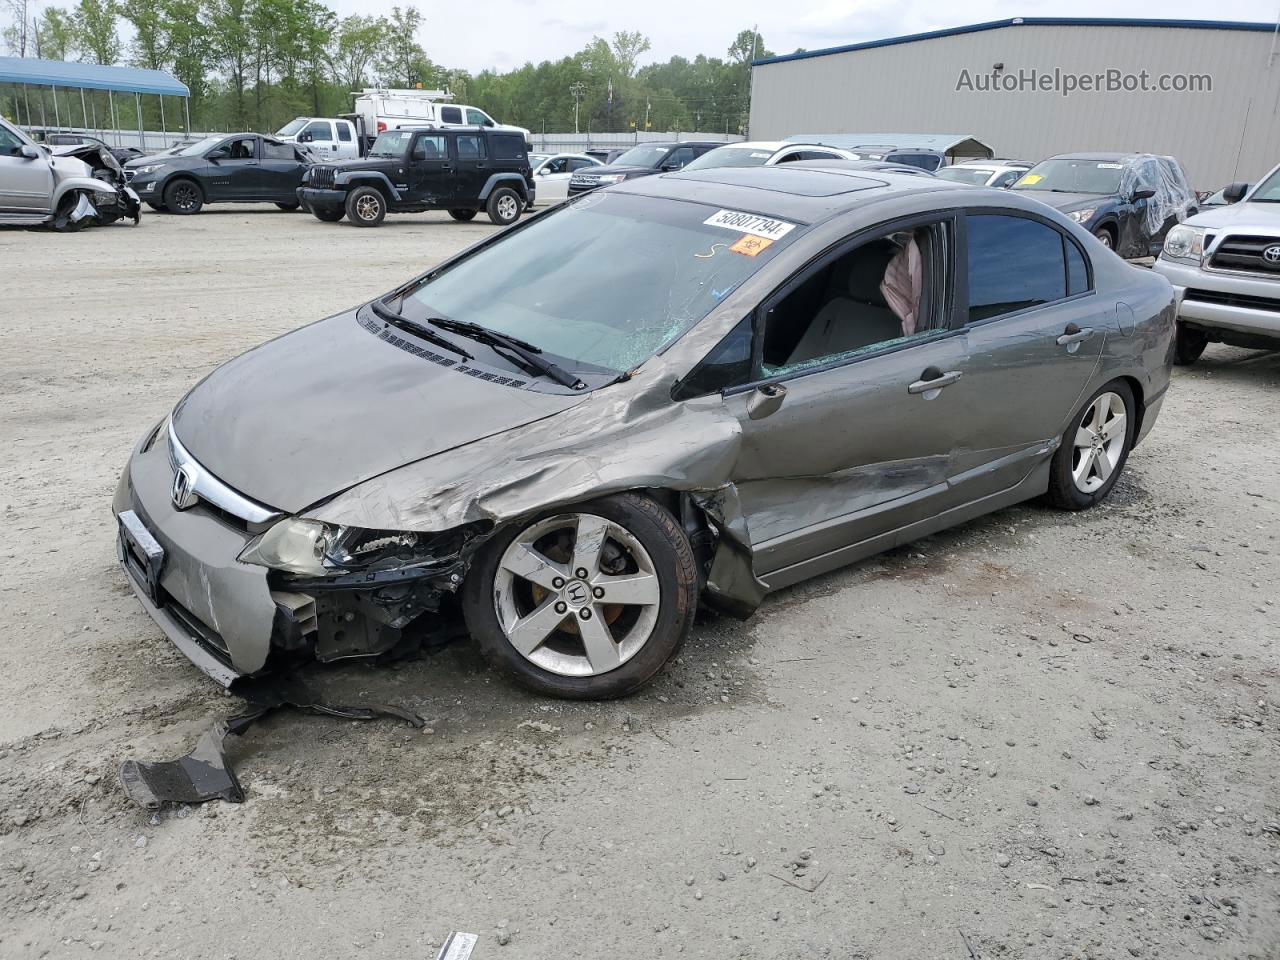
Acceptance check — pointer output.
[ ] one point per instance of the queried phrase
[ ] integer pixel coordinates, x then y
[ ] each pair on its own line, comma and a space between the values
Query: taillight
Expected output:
382, 127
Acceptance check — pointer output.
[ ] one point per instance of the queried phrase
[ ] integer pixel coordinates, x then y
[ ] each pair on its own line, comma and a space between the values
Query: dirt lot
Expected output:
1049, 735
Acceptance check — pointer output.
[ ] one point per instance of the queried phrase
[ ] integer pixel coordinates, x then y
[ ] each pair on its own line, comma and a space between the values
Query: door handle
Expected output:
933, 380
1073, 336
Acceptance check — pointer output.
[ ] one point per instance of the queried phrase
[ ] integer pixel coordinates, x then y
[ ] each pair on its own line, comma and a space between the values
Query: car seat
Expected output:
855, 313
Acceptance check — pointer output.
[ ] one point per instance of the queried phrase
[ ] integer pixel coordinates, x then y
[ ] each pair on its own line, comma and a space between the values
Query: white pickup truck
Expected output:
377, 111
328, 138
1224, 265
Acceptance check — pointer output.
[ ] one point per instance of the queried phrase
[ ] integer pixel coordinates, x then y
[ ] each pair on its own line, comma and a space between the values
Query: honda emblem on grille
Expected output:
184, 485
1272, 255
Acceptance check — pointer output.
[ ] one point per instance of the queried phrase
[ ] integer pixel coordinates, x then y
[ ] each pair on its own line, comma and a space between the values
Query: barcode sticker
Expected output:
753, 223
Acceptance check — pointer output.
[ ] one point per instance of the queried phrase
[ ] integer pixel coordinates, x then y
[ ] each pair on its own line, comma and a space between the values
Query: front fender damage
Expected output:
612, 443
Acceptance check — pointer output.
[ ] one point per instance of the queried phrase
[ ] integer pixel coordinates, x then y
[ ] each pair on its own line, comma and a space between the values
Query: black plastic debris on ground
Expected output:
204, 773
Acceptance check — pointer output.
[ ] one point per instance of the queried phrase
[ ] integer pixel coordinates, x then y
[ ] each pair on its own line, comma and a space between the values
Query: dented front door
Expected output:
854, 451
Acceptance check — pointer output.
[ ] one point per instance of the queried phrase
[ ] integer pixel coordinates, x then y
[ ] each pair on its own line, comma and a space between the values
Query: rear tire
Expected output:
1188, 344
504, 206
328, 214
183, 197
463, 216
1094, 449
577, 643
366, 207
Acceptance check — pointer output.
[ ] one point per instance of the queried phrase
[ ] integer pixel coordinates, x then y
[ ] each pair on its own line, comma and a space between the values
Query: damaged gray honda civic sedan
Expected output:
691, 388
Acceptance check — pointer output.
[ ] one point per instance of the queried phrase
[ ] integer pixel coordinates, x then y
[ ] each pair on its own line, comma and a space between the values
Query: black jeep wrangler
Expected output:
460, 169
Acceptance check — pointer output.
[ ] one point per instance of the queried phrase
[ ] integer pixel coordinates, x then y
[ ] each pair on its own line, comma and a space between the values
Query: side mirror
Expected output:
30, 152
765, 400
1142, 195
220, 154
543, 171
1234, 192
305, 138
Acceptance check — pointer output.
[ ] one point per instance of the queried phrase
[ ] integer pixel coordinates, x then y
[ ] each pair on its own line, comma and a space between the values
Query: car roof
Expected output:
761, 144
1098, 156
807, 195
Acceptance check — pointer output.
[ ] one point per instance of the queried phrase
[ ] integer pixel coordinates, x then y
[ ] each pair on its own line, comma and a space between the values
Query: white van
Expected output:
377, 111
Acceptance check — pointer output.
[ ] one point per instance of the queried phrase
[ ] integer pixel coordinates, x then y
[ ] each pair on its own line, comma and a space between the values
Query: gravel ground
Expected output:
1037, 735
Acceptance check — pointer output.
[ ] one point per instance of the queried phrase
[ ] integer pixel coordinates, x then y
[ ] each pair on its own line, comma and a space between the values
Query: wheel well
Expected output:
374, 182
1110, 227
1139, 408
519, 186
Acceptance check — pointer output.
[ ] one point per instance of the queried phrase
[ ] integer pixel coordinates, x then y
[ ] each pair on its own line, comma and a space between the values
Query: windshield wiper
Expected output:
526, 354
383, 312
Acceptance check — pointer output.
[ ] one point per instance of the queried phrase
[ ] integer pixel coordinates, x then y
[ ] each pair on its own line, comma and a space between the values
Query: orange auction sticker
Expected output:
749, 245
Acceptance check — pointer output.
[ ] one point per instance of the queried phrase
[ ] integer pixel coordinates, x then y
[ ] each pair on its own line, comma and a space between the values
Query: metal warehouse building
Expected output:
1010, 83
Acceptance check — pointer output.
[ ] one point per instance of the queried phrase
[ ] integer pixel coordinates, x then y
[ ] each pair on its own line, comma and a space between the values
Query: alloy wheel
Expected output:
367, 207
1099, 442
576, 594
508, 208
184, 197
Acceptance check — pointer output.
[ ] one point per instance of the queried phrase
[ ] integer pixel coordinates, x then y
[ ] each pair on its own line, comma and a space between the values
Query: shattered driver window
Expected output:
609, 279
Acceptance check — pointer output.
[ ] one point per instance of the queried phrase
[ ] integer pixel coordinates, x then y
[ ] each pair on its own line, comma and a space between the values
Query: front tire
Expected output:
157, 207
587, 602
366, 207
463, 216
1094, 449
328, 214
288, 206
504, 206
1188, 344
1105, 237
183, 197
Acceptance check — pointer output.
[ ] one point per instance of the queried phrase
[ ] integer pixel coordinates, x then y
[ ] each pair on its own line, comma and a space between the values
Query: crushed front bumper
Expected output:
218, 611
234, 619
313, 197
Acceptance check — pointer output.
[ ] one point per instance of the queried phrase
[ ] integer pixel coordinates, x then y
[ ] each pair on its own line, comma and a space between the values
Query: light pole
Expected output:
577, 89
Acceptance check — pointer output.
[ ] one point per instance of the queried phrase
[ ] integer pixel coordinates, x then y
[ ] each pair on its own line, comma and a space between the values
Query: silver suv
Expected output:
43, 186
1224, 265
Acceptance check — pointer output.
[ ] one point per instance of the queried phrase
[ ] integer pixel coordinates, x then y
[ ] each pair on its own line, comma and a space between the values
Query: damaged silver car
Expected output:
696, 387
68, 187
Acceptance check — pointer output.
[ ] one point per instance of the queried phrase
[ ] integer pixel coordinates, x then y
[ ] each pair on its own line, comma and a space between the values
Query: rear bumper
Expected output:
1224, 301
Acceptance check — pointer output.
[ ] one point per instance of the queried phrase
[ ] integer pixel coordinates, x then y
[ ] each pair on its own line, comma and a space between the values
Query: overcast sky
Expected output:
506, 33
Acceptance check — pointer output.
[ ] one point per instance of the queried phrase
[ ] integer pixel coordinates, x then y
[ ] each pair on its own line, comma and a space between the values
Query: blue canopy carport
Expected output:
27, 72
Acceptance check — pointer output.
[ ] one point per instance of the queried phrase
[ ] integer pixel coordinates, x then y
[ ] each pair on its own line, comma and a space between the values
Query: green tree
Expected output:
54, 34
230, 50
94, 26
627, 46
402, 60
357, 42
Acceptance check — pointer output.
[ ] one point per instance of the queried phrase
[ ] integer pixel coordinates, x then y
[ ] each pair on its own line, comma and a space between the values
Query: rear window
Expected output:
508, 147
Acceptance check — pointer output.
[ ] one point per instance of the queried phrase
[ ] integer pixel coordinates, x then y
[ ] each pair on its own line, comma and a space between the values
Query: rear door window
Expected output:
470, 147
1014, 264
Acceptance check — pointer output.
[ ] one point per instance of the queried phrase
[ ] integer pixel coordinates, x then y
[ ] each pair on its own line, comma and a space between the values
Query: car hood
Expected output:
610, 168
1066, 202
318, 410
369, 163
1263, 216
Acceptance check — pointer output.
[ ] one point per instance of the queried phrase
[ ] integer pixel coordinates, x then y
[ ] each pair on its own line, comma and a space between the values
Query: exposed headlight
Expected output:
1184, 243
102, 198
1082, 216
294, 545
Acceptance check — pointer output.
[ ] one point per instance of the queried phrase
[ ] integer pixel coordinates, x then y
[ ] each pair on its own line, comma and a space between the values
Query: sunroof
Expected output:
800, 183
